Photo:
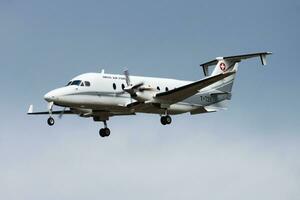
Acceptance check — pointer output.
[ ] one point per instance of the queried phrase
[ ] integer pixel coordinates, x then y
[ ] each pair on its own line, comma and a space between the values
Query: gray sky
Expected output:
249, 151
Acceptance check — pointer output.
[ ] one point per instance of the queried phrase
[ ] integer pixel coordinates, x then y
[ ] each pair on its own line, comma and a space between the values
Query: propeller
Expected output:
62, 113
127, 78
131, 89
135, 90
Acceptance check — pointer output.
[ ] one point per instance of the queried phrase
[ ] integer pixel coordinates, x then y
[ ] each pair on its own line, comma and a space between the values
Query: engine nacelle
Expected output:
144, 95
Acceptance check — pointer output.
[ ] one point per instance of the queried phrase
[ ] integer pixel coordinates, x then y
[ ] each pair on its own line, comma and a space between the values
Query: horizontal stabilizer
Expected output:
235, 59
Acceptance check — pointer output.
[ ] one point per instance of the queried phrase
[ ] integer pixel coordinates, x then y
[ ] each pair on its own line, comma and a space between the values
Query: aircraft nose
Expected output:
49, 97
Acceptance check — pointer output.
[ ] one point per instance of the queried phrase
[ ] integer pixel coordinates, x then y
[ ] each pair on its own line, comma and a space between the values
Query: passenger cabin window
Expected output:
87, 83
123, 86
114, 86
76, 82
158, 88
167, 89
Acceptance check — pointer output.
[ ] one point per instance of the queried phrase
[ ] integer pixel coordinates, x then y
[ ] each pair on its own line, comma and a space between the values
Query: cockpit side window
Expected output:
69, 83
82, 84
87, 83
76, 82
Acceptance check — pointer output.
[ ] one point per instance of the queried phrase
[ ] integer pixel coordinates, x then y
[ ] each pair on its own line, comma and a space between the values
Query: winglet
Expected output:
30, 110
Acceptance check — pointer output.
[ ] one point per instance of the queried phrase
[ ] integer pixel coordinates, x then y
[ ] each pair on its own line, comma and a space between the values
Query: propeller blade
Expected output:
132, 89
62, 113
137, 85
126, 74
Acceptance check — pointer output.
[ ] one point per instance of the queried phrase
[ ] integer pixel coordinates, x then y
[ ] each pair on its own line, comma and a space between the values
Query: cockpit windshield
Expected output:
79, 83
69, 83
76, 82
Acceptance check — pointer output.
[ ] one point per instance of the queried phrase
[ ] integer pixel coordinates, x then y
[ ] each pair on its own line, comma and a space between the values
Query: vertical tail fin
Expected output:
230, 64
224, 65
222, 89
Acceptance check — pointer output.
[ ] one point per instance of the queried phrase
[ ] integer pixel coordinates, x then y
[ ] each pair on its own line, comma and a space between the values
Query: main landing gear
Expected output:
104, 132
166, 120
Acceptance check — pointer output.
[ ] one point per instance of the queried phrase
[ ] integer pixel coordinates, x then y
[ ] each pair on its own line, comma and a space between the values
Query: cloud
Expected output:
149, 165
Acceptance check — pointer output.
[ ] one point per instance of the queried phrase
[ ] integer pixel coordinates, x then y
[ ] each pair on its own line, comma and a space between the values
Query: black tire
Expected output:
106, 132
168, 119
101, 132
163, 120
50, 121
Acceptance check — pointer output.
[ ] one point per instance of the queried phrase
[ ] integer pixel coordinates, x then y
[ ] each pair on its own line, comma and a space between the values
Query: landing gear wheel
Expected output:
101, 132
168, 119
165, 120
50, 121
104, 132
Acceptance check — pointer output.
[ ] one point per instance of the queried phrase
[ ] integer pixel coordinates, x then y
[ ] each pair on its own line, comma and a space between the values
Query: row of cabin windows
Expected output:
115, 86
123, 86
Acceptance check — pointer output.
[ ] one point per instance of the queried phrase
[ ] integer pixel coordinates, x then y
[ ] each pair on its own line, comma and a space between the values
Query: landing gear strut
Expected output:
50, 121
104, 132
166, 120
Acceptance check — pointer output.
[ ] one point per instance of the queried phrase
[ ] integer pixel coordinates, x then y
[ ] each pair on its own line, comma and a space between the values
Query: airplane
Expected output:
102, 96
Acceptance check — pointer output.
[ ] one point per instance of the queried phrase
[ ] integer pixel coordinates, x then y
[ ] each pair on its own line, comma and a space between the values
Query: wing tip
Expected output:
30, 109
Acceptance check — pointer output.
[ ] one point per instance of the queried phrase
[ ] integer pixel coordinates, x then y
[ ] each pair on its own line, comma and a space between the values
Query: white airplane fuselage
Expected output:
103, 96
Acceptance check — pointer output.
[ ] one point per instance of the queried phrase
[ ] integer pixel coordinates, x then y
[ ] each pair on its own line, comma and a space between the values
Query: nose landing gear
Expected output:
50, 121
104, 132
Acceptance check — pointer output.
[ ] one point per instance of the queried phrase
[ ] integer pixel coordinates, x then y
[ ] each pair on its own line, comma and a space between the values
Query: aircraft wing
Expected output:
53, 112
58, 112
183, 92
